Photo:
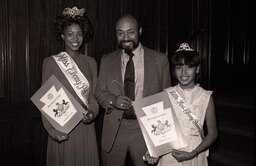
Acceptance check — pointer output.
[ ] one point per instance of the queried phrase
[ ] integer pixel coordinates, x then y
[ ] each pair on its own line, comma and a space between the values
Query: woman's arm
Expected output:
93, 104
54, 134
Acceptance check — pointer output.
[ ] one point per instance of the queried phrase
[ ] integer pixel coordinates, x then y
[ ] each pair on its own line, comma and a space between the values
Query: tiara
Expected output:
73, 12
184, 47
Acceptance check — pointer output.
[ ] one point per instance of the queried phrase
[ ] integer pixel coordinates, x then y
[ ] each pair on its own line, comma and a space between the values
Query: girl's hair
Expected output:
64, 20
190, 58
186, 56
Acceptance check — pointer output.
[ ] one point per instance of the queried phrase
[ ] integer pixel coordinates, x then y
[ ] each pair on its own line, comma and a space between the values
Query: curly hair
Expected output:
62, 22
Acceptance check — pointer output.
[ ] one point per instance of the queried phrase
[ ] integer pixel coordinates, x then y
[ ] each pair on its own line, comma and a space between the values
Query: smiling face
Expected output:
186, 65
73, 38
127, 34
186, 75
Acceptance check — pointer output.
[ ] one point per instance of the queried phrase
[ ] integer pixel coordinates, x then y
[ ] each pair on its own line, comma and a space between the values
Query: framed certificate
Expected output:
58, 106
159, 124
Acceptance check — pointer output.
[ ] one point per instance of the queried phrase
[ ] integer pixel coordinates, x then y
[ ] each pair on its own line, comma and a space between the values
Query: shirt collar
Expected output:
137, 50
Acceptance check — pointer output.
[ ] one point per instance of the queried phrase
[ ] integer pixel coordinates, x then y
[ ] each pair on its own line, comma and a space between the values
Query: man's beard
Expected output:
128, 49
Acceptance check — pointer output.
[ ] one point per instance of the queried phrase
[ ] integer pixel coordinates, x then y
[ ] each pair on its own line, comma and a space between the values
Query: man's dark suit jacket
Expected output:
156, 78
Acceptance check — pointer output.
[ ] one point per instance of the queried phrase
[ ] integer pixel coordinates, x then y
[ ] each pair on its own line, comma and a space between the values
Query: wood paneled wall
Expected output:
233, 60
27, 38
4, 48
28, 34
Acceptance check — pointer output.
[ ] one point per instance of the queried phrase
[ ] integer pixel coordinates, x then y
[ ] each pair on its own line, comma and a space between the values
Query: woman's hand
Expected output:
88, 117
58, 136
183, 155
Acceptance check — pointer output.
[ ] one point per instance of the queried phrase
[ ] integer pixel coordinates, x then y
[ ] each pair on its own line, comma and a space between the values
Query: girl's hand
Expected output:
151, 160
183, 155
58, 136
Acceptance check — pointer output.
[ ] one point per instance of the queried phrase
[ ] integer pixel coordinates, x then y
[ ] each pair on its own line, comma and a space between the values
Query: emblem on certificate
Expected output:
59, 107
159, 124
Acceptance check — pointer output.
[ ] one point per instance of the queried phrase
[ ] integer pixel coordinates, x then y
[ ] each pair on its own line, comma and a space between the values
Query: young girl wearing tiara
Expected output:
193, 106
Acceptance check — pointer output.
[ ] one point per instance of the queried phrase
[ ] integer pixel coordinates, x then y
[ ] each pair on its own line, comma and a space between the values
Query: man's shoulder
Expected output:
112, 53
152, 51
91, 60
155, 55
109, 57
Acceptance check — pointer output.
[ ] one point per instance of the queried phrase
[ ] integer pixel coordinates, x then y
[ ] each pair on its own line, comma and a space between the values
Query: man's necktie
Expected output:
129, 86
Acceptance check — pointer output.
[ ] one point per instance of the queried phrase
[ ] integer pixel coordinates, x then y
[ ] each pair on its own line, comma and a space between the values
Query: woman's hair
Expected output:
73, 16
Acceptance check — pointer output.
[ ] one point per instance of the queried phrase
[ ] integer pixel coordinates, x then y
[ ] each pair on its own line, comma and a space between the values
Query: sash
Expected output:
183, 107
74, 76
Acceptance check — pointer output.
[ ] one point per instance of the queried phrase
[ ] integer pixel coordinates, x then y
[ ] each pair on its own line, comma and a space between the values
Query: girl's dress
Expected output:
197, 100
81, 147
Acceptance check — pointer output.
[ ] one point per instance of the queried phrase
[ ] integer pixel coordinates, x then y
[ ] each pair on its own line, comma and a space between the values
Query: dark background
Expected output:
221, 30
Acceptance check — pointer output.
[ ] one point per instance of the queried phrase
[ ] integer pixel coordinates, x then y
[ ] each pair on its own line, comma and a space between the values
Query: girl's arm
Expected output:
207, 141
211, 128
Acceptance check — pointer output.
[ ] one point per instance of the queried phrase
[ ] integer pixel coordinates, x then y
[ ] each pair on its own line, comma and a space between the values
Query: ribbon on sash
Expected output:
182, 104
73, 74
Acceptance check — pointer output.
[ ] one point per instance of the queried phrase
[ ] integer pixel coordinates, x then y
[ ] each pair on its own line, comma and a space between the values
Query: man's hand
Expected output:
123, 102
151, 160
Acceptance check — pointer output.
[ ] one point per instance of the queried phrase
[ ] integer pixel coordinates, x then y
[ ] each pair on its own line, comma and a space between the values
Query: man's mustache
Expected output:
127, 49
126, 41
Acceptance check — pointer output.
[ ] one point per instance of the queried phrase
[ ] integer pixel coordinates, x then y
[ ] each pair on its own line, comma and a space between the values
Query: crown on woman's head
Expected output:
73, 12
184, 47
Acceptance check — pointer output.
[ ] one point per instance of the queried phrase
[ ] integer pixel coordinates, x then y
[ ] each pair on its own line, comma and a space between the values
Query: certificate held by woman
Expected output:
58, 105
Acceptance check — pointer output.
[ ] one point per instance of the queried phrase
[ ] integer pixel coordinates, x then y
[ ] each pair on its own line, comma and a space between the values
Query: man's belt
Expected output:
129, 114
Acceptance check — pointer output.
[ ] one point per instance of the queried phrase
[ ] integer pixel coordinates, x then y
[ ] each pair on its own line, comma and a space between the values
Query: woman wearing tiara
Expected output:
193, 106
79, 147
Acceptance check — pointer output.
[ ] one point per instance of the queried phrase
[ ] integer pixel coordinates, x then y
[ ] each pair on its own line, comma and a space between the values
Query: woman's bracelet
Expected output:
196, 152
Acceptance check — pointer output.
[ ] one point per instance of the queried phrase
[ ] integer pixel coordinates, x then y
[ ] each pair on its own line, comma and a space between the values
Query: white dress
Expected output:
197, 99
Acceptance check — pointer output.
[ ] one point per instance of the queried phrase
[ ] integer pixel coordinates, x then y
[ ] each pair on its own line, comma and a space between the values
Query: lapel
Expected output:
116, 72
149, 62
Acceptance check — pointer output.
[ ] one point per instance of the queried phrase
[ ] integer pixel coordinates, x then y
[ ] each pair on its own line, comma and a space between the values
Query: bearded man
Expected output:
129, 73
